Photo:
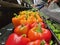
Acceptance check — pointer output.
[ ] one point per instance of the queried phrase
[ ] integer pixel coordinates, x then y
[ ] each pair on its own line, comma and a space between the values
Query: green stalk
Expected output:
42, 42
39, 28
26, 15
15, 15
24, 35
35, 15
22, 27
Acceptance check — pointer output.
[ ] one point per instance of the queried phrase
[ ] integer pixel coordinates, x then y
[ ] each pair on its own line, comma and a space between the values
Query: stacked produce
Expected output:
55, 27
29, 29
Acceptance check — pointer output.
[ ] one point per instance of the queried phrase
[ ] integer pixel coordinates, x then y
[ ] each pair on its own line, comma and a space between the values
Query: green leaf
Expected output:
15, 15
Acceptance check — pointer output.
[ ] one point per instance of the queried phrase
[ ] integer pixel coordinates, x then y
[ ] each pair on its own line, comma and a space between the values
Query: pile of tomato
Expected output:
29, 29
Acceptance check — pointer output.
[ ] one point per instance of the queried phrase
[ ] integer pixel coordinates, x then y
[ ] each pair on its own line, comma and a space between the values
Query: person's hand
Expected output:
49, 1
52, 0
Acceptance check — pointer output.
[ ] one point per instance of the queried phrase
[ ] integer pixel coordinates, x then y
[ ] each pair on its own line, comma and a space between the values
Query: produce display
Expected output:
29, 29
55, 27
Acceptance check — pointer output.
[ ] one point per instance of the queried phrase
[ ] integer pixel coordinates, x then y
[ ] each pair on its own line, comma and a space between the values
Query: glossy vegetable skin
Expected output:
15, 21
36, 24
36, 33
14, 39
38, 42
31, 24
22, 29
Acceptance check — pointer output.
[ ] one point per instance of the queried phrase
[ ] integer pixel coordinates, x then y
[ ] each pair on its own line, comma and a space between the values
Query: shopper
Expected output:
56, 1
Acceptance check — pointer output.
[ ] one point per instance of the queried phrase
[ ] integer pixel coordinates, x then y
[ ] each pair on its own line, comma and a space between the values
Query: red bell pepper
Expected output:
46, 34
21, 29
36, 24
39, 33
33, 24
38, 42
14, 39
43, 25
